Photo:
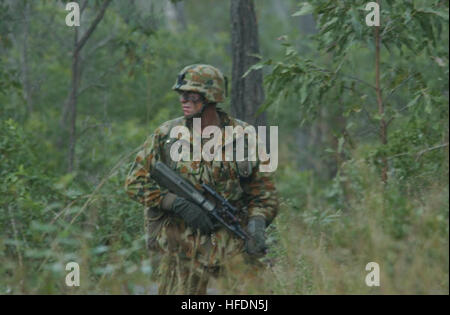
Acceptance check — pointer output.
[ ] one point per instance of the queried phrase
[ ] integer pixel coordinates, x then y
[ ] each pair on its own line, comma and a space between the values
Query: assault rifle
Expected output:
220, 210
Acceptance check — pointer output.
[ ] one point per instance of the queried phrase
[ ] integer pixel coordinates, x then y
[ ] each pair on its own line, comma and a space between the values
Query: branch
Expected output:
100, 45
406, 106
99, 85
399, 111
348, 76
90, 86
90, 127
84, 5
91, 29
398, 86
389, 121
359, 80
420, 153
386, 28
366, 132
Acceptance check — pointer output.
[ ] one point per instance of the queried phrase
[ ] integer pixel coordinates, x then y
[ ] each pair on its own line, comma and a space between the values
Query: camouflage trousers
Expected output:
184, 262
176, 274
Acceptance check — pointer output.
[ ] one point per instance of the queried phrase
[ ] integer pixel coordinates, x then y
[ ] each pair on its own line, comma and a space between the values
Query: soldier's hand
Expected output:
192, 215
256, 244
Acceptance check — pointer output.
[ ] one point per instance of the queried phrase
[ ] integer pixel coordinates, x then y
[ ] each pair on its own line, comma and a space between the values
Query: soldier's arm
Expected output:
139, 185
261, 194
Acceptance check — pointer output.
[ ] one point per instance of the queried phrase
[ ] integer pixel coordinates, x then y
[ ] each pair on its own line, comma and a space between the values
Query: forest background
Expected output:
363, 128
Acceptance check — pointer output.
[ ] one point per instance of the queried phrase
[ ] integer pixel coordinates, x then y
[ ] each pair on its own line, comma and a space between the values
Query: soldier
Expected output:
193, 247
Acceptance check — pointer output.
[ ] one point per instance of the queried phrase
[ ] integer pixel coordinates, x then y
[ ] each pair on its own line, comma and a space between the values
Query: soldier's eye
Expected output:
190, 96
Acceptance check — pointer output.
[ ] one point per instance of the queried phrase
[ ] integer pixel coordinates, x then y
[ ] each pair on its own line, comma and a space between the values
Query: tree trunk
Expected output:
247, 93
71, 104
176, 19
181, 16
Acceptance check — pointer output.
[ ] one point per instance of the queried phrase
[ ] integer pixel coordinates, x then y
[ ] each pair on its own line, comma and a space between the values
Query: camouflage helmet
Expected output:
204, 79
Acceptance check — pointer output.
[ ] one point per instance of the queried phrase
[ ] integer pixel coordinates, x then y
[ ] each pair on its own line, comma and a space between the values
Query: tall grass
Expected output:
319, 249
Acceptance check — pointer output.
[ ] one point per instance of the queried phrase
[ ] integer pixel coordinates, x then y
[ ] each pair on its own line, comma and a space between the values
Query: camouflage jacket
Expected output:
251, 191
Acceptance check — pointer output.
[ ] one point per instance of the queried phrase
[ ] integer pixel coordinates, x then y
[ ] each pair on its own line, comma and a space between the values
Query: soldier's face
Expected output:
191, 102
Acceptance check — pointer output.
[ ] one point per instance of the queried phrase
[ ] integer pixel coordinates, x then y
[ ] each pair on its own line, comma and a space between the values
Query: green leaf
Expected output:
443, 14
256, 66
255, 55
42, 227
305, 8
290, 51
378, 116
303, 93
262, 108
414, 101
428, 107
100, 249
340, 144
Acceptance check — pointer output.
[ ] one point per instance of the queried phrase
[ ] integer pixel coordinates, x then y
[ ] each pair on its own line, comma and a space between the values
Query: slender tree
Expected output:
247, 93
71, 104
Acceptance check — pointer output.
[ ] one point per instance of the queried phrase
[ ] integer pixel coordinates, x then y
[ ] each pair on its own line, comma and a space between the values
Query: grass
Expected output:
316, 247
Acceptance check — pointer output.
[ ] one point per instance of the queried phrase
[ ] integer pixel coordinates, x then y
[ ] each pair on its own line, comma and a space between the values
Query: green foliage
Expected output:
414, 76
26, 191
10, 88
49, 221
48, 217
353, 219
319, 250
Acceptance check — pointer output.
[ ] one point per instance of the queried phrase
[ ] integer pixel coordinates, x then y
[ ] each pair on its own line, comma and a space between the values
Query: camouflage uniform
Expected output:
188, 258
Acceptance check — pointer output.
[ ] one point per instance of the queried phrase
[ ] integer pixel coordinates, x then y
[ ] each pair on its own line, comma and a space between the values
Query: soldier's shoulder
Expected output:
232, 121
164, 128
